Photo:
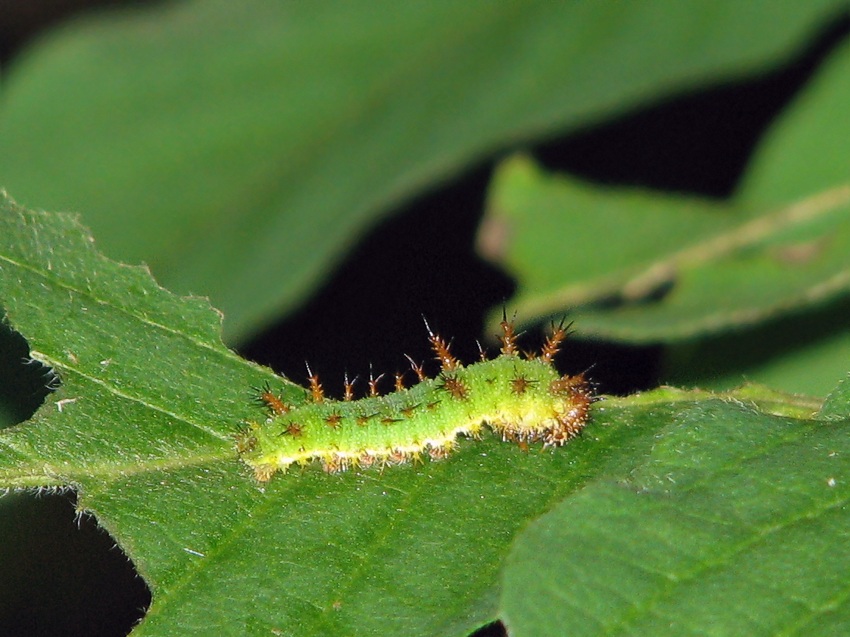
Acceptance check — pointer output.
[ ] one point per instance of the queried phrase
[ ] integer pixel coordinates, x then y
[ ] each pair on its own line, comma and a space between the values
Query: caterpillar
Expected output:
521, 397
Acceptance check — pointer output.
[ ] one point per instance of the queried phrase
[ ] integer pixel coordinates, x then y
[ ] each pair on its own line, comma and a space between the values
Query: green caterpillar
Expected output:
522, 399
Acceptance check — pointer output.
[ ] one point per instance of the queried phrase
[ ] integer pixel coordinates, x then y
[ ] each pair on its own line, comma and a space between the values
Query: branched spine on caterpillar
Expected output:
521, 398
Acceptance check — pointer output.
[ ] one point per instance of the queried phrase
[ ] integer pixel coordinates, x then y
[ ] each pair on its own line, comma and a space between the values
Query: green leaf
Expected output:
803, 353
141, 427
734, 523
118, 343
804, 151
641, 266
837, 404
240, 149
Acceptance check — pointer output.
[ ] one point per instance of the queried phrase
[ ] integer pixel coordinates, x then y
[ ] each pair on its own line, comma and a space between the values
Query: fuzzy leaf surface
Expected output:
142, 426
735, 522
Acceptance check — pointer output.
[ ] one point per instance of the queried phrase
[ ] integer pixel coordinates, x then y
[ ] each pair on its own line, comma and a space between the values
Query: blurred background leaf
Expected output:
240, 150
651, 267
662, 268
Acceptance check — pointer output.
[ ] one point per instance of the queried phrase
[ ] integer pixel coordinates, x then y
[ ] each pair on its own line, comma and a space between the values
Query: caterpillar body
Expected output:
521, 398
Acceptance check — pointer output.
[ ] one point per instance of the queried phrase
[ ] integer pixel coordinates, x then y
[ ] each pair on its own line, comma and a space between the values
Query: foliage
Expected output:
679, 511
